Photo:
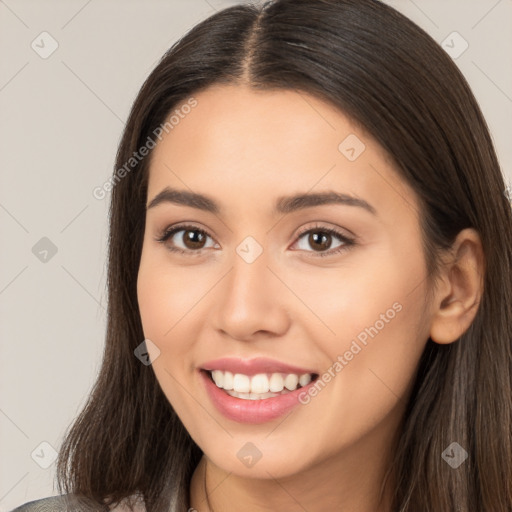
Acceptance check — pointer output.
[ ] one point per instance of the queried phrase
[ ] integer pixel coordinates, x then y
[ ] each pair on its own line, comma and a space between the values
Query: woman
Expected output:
309, 279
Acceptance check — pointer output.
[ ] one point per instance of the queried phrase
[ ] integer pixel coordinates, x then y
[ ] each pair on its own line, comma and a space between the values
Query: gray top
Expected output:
71, 503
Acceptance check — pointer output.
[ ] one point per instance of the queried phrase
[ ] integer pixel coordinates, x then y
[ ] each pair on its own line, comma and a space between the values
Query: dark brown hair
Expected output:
395, 81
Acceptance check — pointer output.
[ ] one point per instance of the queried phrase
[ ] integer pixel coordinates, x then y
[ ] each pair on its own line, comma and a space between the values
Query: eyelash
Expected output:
169, 232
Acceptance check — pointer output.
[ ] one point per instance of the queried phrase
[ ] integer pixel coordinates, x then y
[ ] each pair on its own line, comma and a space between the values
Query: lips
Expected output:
251, 411
254, 407
253, 366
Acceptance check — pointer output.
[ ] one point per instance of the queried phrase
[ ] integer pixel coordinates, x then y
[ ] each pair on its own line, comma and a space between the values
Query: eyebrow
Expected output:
284, 204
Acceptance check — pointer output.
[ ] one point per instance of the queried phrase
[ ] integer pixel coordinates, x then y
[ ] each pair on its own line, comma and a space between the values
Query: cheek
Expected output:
164, 299
155, 303
379, 323
172, 311
166, 295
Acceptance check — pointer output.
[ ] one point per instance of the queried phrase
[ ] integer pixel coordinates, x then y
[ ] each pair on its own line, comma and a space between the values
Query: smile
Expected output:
260, 386
256, 390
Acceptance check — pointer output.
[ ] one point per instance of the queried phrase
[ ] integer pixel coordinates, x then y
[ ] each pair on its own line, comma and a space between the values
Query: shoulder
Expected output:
64, 503
56, 503
73, 503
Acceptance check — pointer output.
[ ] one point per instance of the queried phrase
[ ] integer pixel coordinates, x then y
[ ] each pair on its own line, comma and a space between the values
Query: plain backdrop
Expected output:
62, 115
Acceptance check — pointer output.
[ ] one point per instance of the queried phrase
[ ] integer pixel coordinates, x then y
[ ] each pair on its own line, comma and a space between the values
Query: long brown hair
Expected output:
392, 78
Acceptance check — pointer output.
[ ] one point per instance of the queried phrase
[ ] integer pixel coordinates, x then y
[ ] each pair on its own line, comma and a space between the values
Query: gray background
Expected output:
62, 118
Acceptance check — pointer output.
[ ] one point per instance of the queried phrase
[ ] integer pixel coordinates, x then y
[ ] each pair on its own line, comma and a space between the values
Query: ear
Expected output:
459, 290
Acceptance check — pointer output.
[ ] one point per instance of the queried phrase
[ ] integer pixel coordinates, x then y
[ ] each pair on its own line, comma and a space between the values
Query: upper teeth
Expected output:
259, 383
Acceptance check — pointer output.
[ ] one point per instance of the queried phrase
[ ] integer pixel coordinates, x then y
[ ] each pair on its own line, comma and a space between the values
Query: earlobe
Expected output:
457, 299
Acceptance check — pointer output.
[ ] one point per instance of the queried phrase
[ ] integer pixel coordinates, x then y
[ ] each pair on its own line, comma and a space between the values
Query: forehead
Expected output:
250, 142
228, 117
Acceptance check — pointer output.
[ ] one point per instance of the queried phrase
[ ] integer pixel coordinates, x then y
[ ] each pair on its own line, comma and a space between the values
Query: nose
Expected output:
251, 301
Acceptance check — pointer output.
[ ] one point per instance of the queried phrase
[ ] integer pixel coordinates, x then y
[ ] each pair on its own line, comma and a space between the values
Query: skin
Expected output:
244, 149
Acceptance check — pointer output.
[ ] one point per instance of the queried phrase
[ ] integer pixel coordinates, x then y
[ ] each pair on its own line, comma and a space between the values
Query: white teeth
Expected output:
241, 383
253, 396
260, 385
276, 383
304, 380
291, 381
218, 378
228, 380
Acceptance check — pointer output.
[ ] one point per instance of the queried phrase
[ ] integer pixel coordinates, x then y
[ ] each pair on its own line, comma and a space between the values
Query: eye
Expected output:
192, 240
320, 238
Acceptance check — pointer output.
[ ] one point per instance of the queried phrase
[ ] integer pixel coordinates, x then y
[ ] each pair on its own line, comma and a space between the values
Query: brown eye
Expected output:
319, 242
320, 239
192, 240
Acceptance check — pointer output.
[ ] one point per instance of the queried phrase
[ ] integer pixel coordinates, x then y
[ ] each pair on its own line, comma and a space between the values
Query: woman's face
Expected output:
252, 283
